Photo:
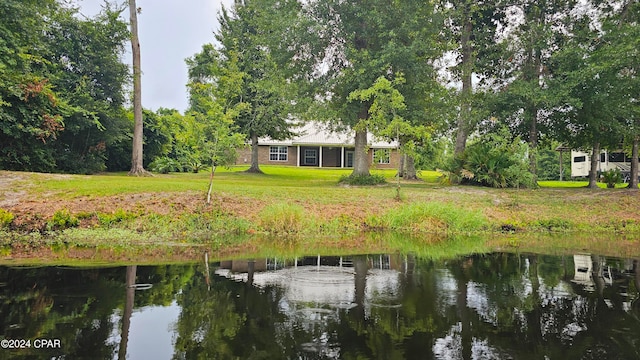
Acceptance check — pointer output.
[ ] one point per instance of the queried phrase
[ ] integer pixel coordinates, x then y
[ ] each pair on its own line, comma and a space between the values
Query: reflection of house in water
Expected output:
317, 288
321, 280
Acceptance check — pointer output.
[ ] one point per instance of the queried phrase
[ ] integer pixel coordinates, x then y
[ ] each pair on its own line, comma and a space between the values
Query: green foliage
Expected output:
495, 160
554, 224
6, 217
612, 177
165, 165
206, 225
120, 215
549, 163
283, 218
61, 86
62, 219
362, 180
250, 70
434, 217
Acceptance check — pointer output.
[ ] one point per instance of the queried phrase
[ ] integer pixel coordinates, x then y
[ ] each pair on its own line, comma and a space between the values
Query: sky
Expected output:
170, 31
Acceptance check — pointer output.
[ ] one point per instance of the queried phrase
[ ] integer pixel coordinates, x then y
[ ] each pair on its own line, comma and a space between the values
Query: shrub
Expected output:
282, 218
612, 177
495, 160
165, 165
362, 180
6, 217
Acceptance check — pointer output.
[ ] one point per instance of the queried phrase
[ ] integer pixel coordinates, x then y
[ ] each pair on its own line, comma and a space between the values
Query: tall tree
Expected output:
594, 73
137, 166
87, 72
254, 33
365, 40
533, 33
473, 25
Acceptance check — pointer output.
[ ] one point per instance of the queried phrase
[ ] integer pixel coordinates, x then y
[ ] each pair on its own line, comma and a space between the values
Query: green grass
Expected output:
436, 217
574, 184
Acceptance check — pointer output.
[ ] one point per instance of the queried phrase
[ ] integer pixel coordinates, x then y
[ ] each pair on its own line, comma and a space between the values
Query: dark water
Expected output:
492, 306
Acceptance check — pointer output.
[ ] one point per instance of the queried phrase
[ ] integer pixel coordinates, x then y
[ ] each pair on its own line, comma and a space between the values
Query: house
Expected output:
316, 146
609, 160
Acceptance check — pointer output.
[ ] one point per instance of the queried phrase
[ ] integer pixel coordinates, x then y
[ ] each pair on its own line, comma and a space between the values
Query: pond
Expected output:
488, 306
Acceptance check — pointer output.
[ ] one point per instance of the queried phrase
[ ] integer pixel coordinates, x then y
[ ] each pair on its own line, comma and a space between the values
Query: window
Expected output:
617, 157
310, 156
579, 159
278, 153
382, 156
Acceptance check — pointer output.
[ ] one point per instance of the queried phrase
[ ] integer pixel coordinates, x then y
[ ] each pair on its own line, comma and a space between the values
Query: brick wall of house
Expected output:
244, 157
394, 160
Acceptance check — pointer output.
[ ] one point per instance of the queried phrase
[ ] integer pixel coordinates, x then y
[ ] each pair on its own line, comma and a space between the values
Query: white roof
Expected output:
317, 134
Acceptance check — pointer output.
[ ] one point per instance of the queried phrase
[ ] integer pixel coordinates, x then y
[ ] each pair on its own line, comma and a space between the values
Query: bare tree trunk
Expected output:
633, 178
137, 166
593, 172
464, 119
255, 164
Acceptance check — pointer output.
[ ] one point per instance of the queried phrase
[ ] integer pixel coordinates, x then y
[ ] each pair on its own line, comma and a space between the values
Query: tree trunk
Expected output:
464, 118
255, 164
593, 172
137, 167
360, 156
633, 176
533, 142
410, 168
401, 165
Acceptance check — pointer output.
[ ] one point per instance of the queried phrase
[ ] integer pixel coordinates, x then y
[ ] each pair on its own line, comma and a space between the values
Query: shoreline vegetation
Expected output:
295, 211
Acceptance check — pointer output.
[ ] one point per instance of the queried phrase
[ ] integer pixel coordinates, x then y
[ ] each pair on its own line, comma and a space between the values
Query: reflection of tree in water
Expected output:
548, 316
480, 306
70, 304
217, 320
76, 305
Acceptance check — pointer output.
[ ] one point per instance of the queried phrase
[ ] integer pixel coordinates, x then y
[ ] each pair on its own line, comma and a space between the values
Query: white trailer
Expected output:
609, 160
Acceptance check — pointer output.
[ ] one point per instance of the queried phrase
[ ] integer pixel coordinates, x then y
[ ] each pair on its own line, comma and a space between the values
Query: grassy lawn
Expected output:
574, 184
304, 203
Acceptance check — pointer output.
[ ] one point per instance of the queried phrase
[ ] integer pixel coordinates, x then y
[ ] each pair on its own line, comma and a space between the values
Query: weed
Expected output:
282, 218
363, 180
553, 224
435, 217
62, 219
375, 223
117, 216
6, 217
